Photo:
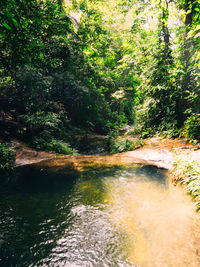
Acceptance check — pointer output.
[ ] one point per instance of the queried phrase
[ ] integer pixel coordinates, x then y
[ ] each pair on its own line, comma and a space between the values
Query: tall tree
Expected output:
190, 86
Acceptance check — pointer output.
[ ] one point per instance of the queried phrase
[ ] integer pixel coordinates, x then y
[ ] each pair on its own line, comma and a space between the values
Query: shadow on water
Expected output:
99, 216
31, 215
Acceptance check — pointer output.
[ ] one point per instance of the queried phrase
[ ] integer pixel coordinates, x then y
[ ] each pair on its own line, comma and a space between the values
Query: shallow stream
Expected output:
105, 216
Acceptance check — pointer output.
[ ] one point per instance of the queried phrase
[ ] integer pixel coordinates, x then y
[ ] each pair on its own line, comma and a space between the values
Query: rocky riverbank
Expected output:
156, 151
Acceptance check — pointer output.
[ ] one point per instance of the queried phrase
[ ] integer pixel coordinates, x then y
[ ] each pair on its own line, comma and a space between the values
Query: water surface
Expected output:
112, 216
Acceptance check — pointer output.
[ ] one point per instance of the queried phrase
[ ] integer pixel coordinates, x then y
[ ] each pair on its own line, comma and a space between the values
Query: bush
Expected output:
119, 145
44, 125
47, 131
154, 117
187, 172
53, 145
192, 127
7, 158
44, 121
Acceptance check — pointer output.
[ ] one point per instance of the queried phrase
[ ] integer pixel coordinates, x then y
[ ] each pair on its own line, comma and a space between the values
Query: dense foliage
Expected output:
49, 67
98, 65
187, 172
7, 159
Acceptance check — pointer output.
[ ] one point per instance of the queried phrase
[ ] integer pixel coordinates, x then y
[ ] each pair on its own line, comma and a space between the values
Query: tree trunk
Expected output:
60, 4
164, 28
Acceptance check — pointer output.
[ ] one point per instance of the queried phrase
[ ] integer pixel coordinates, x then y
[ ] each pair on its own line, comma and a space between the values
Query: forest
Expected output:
80, 82
71, 67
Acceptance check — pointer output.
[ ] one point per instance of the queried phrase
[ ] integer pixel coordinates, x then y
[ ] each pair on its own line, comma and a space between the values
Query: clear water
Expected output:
104, 217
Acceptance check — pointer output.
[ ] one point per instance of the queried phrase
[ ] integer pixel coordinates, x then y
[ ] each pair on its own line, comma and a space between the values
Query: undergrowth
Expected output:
187, 172
53, 145
7, 159
118, 145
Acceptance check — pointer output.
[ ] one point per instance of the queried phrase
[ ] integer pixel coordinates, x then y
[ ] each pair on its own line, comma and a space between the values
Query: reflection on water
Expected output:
160, 224
103, 217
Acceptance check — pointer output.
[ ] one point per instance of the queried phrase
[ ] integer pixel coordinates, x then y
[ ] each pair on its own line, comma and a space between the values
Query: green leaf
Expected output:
15, 22
2, 35
8, 78
197, 28
7, 26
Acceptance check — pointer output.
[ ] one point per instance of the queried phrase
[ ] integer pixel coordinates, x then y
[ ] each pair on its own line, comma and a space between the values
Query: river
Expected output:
101, 216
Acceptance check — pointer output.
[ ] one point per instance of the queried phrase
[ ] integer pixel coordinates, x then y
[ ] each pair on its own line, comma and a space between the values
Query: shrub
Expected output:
53, 145
192, 127
154, 117
187, 172
41, 121
44, 125
47, 131
119, 145
7, 158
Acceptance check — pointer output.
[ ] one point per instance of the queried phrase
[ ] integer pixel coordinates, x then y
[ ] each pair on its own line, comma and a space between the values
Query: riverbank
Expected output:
175, 156
156, 151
